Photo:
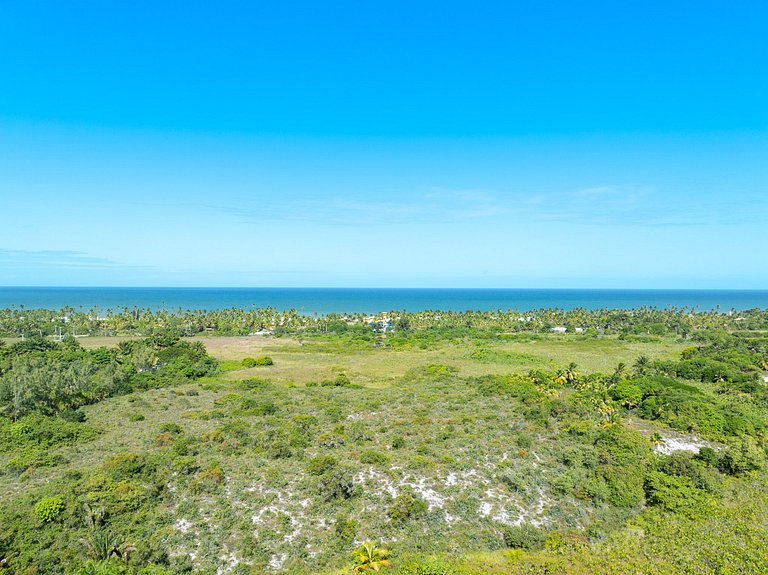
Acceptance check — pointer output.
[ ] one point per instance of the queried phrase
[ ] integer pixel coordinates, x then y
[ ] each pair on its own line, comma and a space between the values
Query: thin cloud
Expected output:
600, 205
60, 260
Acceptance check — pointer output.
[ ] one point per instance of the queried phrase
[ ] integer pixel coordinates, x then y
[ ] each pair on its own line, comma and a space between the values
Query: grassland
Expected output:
303, 361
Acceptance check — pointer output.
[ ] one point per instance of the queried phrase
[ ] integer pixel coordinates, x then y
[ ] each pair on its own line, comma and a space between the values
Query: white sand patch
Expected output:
671, 444
276, 562
463, 479
433, 498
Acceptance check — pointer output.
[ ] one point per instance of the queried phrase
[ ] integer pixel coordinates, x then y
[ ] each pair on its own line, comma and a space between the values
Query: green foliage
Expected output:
336, 484
49, 508
687, 408
673, 493
345, 528
524, 536
321, 464
262, 360
624, 456
44, 377
406, 506
341, 380
374, 457
743, 455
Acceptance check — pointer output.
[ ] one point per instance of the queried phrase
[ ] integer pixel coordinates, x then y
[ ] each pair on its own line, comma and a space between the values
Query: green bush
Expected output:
174, 428
345, 528
257, 361
673, 493
125, 465
336, 484
406, 506
49, 508
373, 457
321, 464
524, 536
743, 455
341, 380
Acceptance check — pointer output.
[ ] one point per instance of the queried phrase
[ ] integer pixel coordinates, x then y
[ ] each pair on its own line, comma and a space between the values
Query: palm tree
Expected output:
571, 375
370, 557
568, 376
641, 365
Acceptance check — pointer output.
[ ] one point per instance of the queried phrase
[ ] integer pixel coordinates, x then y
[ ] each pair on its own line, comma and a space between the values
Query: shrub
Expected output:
707, 456
345, 528
524, 440
171, 428
125, 465
373, 457
262, 360
330, 440
258, 406
406, 506
341, 380
673, 493
321, 464
208, 480
524, 537
254, 383
49, 508
743, 455
336, 484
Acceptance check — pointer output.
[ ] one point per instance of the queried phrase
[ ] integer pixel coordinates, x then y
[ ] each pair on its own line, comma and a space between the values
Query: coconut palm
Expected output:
641, 365
370, 557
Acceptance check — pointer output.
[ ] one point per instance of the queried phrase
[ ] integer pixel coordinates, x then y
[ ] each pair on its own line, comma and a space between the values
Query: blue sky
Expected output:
483, 144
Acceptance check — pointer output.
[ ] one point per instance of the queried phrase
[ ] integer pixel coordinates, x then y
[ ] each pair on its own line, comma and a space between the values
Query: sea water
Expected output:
372, 300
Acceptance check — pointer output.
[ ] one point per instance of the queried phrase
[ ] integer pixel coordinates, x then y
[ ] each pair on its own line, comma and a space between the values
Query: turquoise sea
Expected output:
371, 300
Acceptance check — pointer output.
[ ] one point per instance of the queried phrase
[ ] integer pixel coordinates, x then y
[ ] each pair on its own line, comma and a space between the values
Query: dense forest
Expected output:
427, 443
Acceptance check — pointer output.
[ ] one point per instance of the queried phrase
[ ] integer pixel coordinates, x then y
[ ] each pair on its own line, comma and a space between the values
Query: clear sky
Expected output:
415, 144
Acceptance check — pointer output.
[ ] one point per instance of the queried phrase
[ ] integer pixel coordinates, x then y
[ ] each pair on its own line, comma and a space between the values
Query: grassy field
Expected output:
369, 366
300, 362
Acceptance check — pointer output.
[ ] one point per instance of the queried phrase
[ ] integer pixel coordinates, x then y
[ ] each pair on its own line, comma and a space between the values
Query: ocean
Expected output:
372, 300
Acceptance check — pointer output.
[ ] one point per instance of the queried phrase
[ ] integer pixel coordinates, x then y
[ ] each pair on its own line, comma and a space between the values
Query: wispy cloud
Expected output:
599, 205
430, 205
58, 260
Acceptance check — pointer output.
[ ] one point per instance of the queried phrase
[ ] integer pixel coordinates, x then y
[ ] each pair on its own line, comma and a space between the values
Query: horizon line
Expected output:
202, 287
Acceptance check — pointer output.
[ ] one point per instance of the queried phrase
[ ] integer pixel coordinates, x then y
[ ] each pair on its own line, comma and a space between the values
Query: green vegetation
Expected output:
459, 444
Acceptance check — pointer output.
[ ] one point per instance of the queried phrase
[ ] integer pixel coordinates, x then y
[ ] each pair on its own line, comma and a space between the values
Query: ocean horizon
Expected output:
373, 300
